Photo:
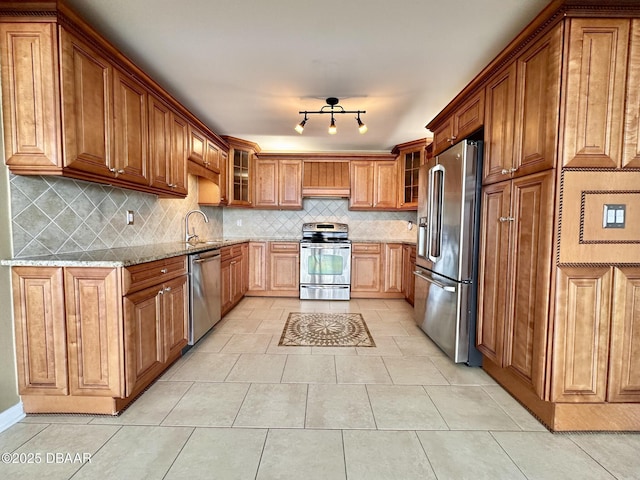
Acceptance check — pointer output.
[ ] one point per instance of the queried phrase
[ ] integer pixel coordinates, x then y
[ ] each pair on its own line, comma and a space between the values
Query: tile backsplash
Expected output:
57, 215
387, 226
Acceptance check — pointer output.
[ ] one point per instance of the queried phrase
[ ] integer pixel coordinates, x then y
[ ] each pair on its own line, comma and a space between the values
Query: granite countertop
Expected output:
119, 257
128, 256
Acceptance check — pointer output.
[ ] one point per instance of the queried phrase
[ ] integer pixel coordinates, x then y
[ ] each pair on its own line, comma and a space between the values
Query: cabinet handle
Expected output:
507, 171
172, 185
164, 270
167, 289
233, 263
506, 219
451, 139
161, 292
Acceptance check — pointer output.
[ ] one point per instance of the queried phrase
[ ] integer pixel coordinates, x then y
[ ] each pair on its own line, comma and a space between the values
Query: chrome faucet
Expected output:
189, 237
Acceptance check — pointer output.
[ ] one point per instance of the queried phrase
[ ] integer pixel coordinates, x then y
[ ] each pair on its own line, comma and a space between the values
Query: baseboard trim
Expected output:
11, 416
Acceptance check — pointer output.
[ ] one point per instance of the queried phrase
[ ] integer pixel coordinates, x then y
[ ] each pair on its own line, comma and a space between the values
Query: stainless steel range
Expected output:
325, 261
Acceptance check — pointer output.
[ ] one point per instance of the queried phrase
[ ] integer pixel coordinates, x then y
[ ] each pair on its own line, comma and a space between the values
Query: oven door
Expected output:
325, 264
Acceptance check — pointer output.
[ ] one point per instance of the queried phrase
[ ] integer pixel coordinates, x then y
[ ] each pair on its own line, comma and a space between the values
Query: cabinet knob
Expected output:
160, 292
507, 171
164, 270
451, 139
167, 289
506, 219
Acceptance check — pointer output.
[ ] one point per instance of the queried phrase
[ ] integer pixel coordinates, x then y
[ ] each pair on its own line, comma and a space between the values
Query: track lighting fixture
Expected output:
332, 108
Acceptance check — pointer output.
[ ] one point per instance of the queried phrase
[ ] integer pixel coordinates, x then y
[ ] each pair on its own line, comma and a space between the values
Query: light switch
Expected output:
614, 216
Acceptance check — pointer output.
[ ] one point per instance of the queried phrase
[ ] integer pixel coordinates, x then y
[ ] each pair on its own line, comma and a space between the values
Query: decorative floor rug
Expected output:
326, 330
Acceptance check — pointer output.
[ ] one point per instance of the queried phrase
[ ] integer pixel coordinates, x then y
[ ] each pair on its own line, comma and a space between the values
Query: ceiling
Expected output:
246, 67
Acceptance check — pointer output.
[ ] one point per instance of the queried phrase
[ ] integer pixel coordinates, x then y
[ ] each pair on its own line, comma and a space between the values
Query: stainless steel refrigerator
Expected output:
447, 250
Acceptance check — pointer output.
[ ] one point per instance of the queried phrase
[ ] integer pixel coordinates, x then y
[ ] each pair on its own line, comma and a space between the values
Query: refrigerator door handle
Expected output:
434, 238
446, 288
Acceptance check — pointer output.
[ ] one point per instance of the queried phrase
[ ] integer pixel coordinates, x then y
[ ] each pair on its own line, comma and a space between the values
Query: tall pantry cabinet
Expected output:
558, 316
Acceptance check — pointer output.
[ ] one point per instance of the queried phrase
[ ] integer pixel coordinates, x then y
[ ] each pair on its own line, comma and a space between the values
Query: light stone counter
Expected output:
119, 257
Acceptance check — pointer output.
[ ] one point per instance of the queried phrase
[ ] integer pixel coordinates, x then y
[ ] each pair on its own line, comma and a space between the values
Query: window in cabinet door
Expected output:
411, 169
241, 175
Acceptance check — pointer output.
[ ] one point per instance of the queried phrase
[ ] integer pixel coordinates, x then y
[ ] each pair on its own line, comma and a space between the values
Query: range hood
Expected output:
326, 178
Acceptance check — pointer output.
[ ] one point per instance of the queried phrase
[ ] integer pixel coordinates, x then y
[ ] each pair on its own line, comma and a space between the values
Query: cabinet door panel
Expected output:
257, 266
179, 147
386, 185
493, 282
290, 183
595, 92
631, 154
361, 185
142, 337
443, 136
530, 276
41, 350
130, 129
226, 287
86, 98
365, 273
469, 117
393, 267
175, 313
30, 92
94, 331
266, 183
624, 370
284, 271
499, 128
538, 92
581, 349
159, 143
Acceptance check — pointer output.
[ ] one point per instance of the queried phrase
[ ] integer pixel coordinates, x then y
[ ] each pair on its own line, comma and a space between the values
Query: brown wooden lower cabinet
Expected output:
89, 339
376, 270
592, 366
234, 275
274, 269
409, 265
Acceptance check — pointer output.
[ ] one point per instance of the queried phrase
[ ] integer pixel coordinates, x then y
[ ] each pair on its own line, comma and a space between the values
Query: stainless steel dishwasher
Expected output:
204, 293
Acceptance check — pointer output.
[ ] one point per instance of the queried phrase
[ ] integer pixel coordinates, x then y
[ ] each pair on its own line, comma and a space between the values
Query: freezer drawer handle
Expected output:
506, 219
446, 288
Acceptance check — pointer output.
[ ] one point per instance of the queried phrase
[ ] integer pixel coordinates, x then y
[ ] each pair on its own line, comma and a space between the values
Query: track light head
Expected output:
332, 127
362, 128
300, 127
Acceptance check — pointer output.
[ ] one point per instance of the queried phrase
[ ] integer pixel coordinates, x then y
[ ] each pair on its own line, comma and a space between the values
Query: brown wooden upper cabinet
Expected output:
240, 171
465, 120
374, 185
203, 150
277, 183
522, 111
598, 50
411, 156
168, 147
73, 105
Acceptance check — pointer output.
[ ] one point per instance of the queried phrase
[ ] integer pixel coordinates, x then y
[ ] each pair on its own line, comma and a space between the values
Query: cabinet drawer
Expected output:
284, 246
231, 251
148, 274
365, 248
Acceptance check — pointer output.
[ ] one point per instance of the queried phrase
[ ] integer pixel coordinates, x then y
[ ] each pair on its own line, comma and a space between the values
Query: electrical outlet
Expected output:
130, 217
239, 222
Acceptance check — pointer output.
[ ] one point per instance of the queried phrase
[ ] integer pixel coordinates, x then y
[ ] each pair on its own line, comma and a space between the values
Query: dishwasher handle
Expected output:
446, 288
207, 259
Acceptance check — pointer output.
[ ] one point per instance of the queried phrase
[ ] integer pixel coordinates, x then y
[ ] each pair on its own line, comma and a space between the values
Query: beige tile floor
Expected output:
238, 406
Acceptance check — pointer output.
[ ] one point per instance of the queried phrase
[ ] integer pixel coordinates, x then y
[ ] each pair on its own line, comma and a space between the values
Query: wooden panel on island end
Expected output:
568, 417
